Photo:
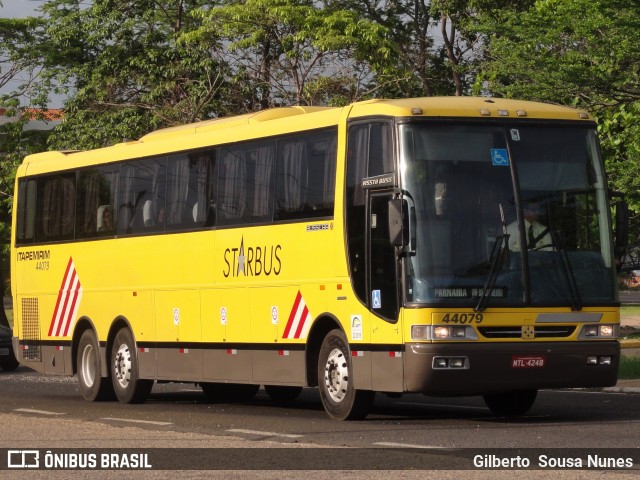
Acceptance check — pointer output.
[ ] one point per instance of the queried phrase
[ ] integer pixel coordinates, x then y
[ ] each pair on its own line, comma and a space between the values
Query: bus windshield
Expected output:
505, 215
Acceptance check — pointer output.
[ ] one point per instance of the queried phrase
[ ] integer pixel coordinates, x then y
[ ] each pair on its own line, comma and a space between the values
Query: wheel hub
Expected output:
122, 366
336, 377
88, 366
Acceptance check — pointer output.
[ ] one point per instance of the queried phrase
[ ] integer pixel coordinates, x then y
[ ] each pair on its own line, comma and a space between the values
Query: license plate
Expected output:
519, 361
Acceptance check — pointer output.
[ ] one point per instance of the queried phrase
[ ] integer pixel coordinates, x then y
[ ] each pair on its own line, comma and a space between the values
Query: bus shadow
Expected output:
411, 408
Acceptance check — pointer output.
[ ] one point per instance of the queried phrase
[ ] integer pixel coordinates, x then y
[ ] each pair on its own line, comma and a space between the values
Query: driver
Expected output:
537, 234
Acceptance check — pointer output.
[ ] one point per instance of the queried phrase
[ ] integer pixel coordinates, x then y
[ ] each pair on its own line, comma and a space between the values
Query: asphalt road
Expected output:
47, 413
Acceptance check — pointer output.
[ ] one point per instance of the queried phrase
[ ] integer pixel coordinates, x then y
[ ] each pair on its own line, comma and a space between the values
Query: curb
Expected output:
629, 343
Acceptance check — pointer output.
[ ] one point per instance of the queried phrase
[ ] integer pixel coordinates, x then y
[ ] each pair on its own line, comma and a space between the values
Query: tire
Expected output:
128, 386
229, 392
93, 387
339, 397
280, 393
511, 404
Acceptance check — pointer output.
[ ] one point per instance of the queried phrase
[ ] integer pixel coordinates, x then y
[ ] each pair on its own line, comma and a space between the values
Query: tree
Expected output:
291, 51
126, 69
576, 52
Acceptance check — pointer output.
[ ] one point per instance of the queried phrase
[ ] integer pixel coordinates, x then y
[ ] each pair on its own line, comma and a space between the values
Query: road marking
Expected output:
409, 445
130, 420
264, 434
41, 412
460, 407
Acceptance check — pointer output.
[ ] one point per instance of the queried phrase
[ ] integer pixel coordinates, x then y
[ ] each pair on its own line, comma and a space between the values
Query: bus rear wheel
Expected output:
511, 404
129, 388
339, 396
93, 387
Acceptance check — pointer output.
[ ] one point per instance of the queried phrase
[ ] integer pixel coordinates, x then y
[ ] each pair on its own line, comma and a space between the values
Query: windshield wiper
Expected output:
497, 260
576, 305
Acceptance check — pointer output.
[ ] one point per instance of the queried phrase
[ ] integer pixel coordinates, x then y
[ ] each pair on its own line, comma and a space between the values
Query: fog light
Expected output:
440, 362
456, 363
592, 360
605, 360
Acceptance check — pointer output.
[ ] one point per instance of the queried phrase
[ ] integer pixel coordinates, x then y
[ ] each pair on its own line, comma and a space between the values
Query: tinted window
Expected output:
306, 176
56, 202
96, 201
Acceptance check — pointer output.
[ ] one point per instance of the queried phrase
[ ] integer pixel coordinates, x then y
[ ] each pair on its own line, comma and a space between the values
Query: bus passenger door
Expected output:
384, 305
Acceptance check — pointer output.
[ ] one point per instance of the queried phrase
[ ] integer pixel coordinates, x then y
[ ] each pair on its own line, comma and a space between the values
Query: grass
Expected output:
629, 368
629, 310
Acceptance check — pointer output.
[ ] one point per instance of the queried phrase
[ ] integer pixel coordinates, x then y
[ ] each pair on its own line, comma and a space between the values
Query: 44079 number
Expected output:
461, 318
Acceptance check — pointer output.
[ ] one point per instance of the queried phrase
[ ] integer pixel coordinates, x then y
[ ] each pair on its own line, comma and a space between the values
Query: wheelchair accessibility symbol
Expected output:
500, 157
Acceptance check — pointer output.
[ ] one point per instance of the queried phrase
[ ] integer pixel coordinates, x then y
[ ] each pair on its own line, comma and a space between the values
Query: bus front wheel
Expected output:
511, 404
339, 396
129, 388
93, 387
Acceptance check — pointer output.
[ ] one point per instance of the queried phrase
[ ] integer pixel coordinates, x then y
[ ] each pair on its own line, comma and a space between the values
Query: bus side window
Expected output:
141, 182
56, 200
26, 211
305, 180
232, 193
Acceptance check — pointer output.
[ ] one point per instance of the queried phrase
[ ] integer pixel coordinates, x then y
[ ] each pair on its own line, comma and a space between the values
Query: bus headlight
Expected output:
443, 332
598, 331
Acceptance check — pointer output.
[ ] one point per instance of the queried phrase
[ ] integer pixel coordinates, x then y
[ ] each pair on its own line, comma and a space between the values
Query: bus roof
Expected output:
278, 121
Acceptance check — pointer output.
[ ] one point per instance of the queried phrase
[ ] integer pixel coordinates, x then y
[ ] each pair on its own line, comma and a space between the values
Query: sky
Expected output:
19, 8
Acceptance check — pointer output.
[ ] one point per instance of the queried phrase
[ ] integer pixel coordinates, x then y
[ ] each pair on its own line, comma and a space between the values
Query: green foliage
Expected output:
629, 367
127, 70
575, 52
128, 67
290, 51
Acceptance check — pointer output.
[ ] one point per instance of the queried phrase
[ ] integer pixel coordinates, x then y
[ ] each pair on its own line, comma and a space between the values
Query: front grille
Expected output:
516, 332
30, 328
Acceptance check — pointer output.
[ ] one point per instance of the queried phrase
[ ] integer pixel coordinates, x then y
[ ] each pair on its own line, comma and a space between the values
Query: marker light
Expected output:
420, 332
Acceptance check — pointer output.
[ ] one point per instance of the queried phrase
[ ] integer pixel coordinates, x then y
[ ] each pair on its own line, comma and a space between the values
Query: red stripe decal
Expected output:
292, 315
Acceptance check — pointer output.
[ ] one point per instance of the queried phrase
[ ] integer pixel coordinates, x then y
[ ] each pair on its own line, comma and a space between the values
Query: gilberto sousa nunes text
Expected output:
551, 462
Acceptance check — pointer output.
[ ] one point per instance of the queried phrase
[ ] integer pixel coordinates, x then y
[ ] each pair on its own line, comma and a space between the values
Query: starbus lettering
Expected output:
252, 261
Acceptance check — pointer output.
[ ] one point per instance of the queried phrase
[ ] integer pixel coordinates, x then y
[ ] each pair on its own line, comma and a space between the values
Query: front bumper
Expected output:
489, 367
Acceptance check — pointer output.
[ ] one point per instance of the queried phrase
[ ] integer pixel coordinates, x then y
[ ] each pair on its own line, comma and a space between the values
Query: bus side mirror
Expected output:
621, 228
397, 235
402, 225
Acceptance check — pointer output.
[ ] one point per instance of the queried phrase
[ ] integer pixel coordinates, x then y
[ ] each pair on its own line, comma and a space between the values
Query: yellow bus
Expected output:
449, 246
